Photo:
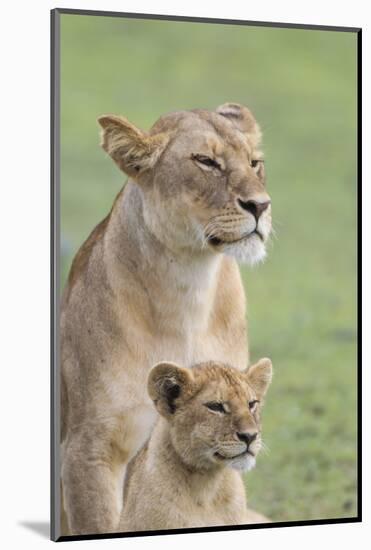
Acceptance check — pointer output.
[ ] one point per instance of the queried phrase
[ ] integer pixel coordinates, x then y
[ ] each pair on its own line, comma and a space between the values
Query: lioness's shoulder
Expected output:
81, 260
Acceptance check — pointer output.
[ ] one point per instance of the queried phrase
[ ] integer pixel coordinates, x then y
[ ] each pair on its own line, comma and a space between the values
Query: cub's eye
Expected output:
253, 403
206, 161
218, 407
255, 162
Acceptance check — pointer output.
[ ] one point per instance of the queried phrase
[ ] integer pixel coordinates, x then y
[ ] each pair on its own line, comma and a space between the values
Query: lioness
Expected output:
185, 476
157, 278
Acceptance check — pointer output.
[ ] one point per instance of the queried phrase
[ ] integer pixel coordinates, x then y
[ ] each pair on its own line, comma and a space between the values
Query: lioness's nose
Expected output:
247, 437
255, 208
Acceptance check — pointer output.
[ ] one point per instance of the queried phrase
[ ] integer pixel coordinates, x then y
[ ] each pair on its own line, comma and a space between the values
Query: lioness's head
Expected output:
213, 411
202, 179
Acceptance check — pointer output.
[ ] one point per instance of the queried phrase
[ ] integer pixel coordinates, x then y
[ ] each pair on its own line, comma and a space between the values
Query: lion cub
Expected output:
187, 474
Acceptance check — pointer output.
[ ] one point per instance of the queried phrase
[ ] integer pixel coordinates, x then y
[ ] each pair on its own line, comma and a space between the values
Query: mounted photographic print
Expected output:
205, 206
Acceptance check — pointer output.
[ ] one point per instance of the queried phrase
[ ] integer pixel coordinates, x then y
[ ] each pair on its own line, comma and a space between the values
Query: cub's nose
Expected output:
247, 437
255, 208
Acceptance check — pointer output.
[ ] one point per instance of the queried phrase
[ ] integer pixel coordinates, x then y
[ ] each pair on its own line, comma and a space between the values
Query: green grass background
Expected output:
301, 85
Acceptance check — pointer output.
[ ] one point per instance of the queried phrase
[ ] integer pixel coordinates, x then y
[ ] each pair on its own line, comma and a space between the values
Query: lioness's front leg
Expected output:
92, 476
255, 517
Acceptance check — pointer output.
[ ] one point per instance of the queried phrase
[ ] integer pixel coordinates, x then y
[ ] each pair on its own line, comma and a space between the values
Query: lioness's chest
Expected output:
192, 348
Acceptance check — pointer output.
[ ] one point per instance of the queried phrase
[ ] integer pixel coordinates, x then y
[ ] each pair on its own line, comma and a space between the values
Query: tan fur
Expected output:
177, 480
150, 285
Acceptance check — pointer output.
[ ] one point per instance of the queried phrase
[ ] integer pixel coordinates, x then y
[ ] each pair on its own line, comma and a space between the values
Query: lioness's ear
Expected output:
243, 119
133, 150
166, 383
259, 376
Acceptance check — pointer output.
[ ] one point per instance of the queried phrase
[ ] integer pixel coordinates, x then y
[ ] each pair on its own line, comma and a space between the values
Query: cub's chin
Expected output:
243, 463
250, 251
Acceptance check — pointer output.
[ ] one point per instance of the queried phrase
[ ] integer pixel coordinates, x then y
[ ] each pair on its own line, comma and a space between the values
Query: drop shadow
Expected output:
41, 528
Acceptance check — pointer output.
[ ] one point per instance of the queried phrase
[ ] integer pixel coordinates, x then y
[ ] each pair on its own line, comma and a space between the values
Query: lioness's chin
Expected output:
244, 463
250, 251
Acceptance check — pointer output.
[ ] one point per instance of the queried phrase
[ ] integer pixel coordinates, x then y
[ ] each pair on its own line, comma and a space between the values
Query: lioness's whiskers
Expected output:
274, 233
264, 447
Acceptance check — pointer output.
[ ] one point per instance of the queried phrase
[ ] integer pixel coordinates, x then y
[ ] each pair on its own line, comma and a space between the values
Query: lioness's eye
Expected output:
253, 403
207, 161
218, 407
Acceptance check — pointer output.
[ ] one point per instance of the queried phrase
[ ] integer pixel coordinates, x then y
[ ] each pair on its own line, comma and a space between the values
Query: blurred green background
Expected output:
301, 85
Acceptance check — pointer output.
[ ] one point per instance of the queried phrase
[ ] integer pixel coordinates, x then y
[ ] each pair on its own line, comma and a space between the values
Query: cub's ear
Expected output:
167, 382
133, 150
243, 119
259, 376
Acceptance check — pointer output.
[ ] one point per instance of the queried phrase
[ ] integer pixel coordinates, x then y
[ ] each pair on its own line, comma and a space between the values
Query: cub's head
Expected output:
213, 411
201, 175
